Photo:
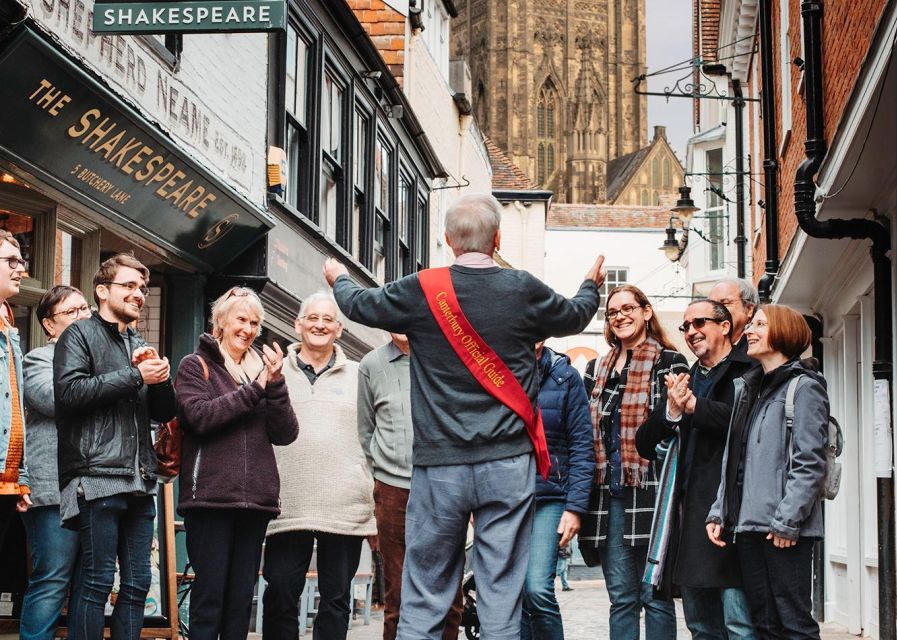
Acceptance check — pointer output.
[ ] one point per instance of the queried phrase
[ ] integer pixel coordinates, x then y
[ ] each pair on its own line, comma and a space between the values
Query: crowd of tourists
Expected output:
701, 482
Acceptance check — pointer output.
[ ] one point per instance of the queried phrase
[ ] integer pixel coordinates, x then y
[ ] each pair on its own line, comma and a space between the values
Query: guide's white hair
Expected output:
471, 223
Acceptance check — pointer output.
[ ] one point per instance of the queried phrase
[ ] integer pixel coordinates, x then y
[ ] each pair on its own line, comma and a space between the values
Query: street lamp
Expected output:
670, 246
685, 207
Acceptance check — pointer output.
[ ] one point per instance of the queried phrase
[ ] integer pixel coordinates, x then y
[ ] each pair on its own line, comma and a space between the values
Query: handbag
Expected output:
169, 442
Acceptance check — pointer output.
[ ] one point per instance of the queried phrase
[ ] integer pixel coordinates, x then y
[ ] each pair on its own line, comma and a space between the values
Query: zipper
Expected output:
196, 470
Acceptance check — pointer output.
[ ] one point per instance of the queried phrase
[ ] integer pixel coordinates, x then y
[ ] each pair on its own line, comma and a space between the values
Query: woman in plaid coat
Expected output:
629, 385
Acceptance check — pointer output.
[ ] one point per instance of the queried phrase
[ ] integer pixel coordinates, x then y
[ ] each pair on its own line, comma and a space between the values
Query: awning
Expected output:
63, 126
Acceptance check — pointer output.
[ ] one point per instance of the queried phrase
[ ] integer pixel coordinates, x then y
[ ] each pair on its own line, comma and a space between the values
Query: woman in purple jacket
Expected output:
233, 408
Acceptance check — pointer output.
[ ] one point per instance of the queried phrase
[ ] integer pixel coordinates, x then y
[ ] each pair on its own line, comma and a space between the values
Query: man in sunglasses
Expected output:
697, 413
108, 384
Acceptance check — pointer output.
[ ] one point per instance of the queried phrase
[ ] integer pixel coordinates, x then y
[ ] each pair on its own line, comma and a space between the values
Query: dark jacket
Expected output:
703, 440
568, 431
103, 408
773, 483
229, 433
456, 421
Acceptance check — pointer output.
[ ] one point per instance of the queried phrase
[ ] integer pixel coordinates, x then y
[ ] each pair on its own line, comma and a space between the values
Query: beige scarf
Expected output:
245, 371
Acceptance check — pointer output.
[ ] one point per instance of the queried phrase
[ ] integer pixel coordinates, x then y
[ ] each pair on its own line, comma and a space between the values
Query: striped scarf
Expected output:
634, 409
663, 512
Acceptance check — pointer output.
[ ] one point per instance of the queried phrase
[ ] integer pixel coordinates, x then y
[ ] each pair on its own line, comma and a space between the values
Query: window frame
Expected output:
333, 166
606, 288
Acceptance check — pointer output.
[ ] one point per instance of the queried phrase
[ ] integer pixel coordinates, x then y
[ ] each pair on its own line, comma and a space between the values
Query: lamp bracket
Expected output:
694, 85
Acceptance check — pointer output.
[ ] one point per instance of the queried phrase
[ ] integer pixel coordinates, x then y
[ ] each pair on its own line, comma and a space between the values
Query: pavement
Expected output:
584, 610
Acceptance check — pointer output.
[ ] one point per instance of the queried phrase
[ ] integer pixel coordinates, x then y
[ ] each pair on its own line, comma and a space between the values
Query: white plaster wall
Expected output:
569, 253
214, 105
523, 236
455, 138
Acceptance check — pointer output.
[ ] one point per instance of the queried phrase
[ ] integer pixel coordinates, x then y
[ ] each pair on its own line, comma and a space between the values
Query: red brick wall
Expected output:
386, 27
847, 31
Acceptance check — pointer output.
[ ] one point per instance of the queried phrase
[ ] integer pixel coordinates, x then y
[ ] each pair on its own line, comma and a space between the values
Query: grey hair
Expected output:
317, 296
234, 297
471, 223
720, 313
746, 291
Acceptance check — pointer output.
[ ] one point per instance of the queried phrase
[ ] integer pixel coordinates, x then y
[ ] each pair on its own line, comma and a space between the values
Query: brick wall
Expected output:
847, 32
386, 27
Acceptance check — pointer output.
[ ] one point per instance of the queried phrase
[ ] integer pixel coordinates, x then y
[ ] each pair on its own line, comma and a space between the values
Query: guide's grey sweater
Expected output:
456, 421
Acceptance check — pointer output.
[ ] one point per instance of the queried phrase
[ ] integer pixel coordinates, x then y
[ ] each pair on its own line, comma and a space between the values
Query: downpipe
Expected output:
879, 234
770, 152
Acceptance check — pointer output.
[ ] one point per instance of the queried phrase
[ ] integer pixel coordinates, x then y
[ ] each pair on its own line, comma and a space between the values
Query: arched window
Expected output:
546, 127
667, 174
656, 198
655, 173
644, 197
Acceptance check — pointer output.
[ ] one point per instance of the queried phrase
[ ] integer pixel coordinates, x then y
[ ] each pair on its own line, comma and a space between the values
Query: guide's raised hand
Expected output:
597, 273
333, 269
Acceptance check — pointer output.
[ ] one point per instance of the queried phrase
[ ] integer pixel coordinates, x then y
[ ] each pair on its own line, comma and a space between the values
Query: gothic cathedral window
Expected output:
546, 113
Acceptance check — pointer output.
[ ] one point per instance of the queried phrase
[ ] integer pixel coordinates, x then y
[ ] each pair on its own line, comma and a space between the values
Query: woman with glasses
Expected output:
769, 499
53, 549
629, 385
233, 407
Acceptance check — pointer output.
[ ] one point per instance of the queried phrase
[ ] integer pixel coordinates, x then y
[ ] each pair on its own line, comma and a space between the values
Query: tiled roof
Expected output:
505, 174
386, 28
620, 170
607, 216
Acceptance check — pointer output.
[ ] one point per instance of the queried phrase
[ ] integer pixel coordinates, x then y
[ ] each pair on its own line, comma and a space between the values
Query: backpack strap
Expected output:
790, 392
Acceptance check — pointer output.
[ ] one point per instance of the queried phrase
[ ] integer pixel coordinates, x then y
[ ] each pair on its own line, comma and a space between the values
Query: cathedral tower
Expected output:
552, 85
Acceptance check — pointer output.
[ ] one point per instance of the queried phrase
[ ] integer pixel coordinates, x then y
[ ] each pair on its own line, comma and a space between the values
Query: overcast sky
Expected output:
669, 41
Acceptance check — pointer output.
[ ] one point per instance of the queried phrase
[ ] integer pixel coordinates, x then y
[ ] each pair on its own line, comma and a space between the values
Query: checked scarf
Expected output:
634, 409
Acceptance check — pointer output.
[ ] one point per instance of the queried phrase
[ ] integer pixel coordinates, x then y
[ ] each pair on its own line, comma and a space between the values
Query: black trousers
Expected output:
287, 557
225, 549
778, 586
7, 513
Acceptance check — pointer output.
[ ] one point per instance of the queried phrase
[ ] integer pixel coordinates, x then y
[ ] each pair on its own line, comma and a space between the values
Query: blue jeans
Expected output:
118, 526
717, 613
541, 613
53, 554
562, 570
623, 568
499, 494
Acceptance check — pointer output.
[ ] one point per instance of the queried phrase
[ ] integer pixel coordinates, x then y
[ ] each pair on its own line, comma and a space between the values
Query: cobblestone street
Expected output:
585, 612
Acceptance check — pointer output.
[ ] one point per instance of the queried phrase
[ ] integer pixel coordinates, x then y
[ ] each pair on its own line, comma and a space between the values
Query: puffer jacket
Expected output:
229, 435
103, 408
767, 484
568, 431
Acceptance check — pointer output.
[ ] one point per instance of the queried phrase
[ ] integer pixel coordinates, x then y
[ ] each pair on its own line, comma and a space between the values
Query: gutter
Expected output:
770, 153
879, 234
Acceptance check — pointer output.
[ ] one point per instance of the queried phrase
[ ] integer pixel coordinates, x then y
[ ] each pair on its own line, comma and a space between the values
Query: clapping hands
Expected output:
680, 398
273, 359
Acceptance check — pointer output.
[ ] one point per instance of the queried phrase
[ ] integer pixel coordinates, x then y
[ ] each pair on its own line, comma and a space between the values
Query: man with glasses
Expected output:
108, 385
740, 297
326, 487
14, 488
697, 411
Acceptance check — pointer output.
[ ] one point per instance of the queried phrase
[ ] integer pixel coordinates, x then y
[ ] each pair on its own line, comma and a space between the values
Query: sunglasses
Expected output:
697, 323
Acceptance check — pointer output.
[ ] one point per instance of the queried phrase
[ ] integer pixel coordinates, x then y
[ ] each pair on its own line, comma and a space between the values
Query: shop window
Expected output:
68, 262
296, 107
22, 228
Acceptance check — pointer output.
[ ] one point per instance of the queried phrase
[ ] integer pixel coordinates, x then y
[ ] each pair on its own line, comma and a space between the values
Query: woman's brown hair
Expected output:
654, 329
789, 333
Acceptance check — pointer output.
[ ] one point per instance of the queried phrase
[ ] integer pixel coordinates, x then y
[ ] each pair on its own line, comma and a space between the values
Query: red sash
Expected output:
482, 362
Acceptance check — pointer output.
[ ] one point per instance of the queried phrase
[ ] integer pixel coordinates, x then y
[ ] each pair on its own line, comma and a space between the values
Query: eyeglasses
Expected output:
14, 262
239, 292
756, 325
625, 310
131, 287
73, 312
316, 319
697, 323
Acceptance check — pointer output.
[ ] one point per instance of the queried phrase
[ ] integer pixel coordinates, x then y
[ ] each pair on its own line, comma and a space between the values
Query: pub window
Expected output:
296, 106
361, 126
421, 232
404, 205
382, 162
332, 156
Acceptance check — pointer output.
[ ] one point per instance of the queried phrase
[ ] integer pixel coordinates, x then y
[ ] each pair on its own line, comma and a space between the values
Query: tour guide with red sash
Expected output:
472, 452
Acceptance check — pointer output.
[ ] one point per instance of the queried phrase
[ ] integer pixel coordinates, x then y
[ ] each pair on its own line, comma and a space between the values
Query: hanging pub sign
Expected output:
192, 16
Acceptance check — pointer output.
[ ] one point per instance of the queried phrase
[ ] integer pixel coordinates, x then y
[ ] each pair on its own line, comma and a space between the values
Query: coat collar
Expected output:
293, 352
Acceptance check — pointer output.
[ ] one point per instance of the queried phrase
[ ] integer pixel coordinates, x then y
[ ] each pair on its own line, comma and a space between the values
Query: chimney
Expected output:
660, 132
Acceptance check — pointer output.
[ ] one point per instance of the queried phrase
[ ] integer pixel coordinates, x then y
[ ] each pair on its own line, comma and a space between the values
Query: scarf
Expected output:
245, 371
659, 543
9, 476
634, 409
